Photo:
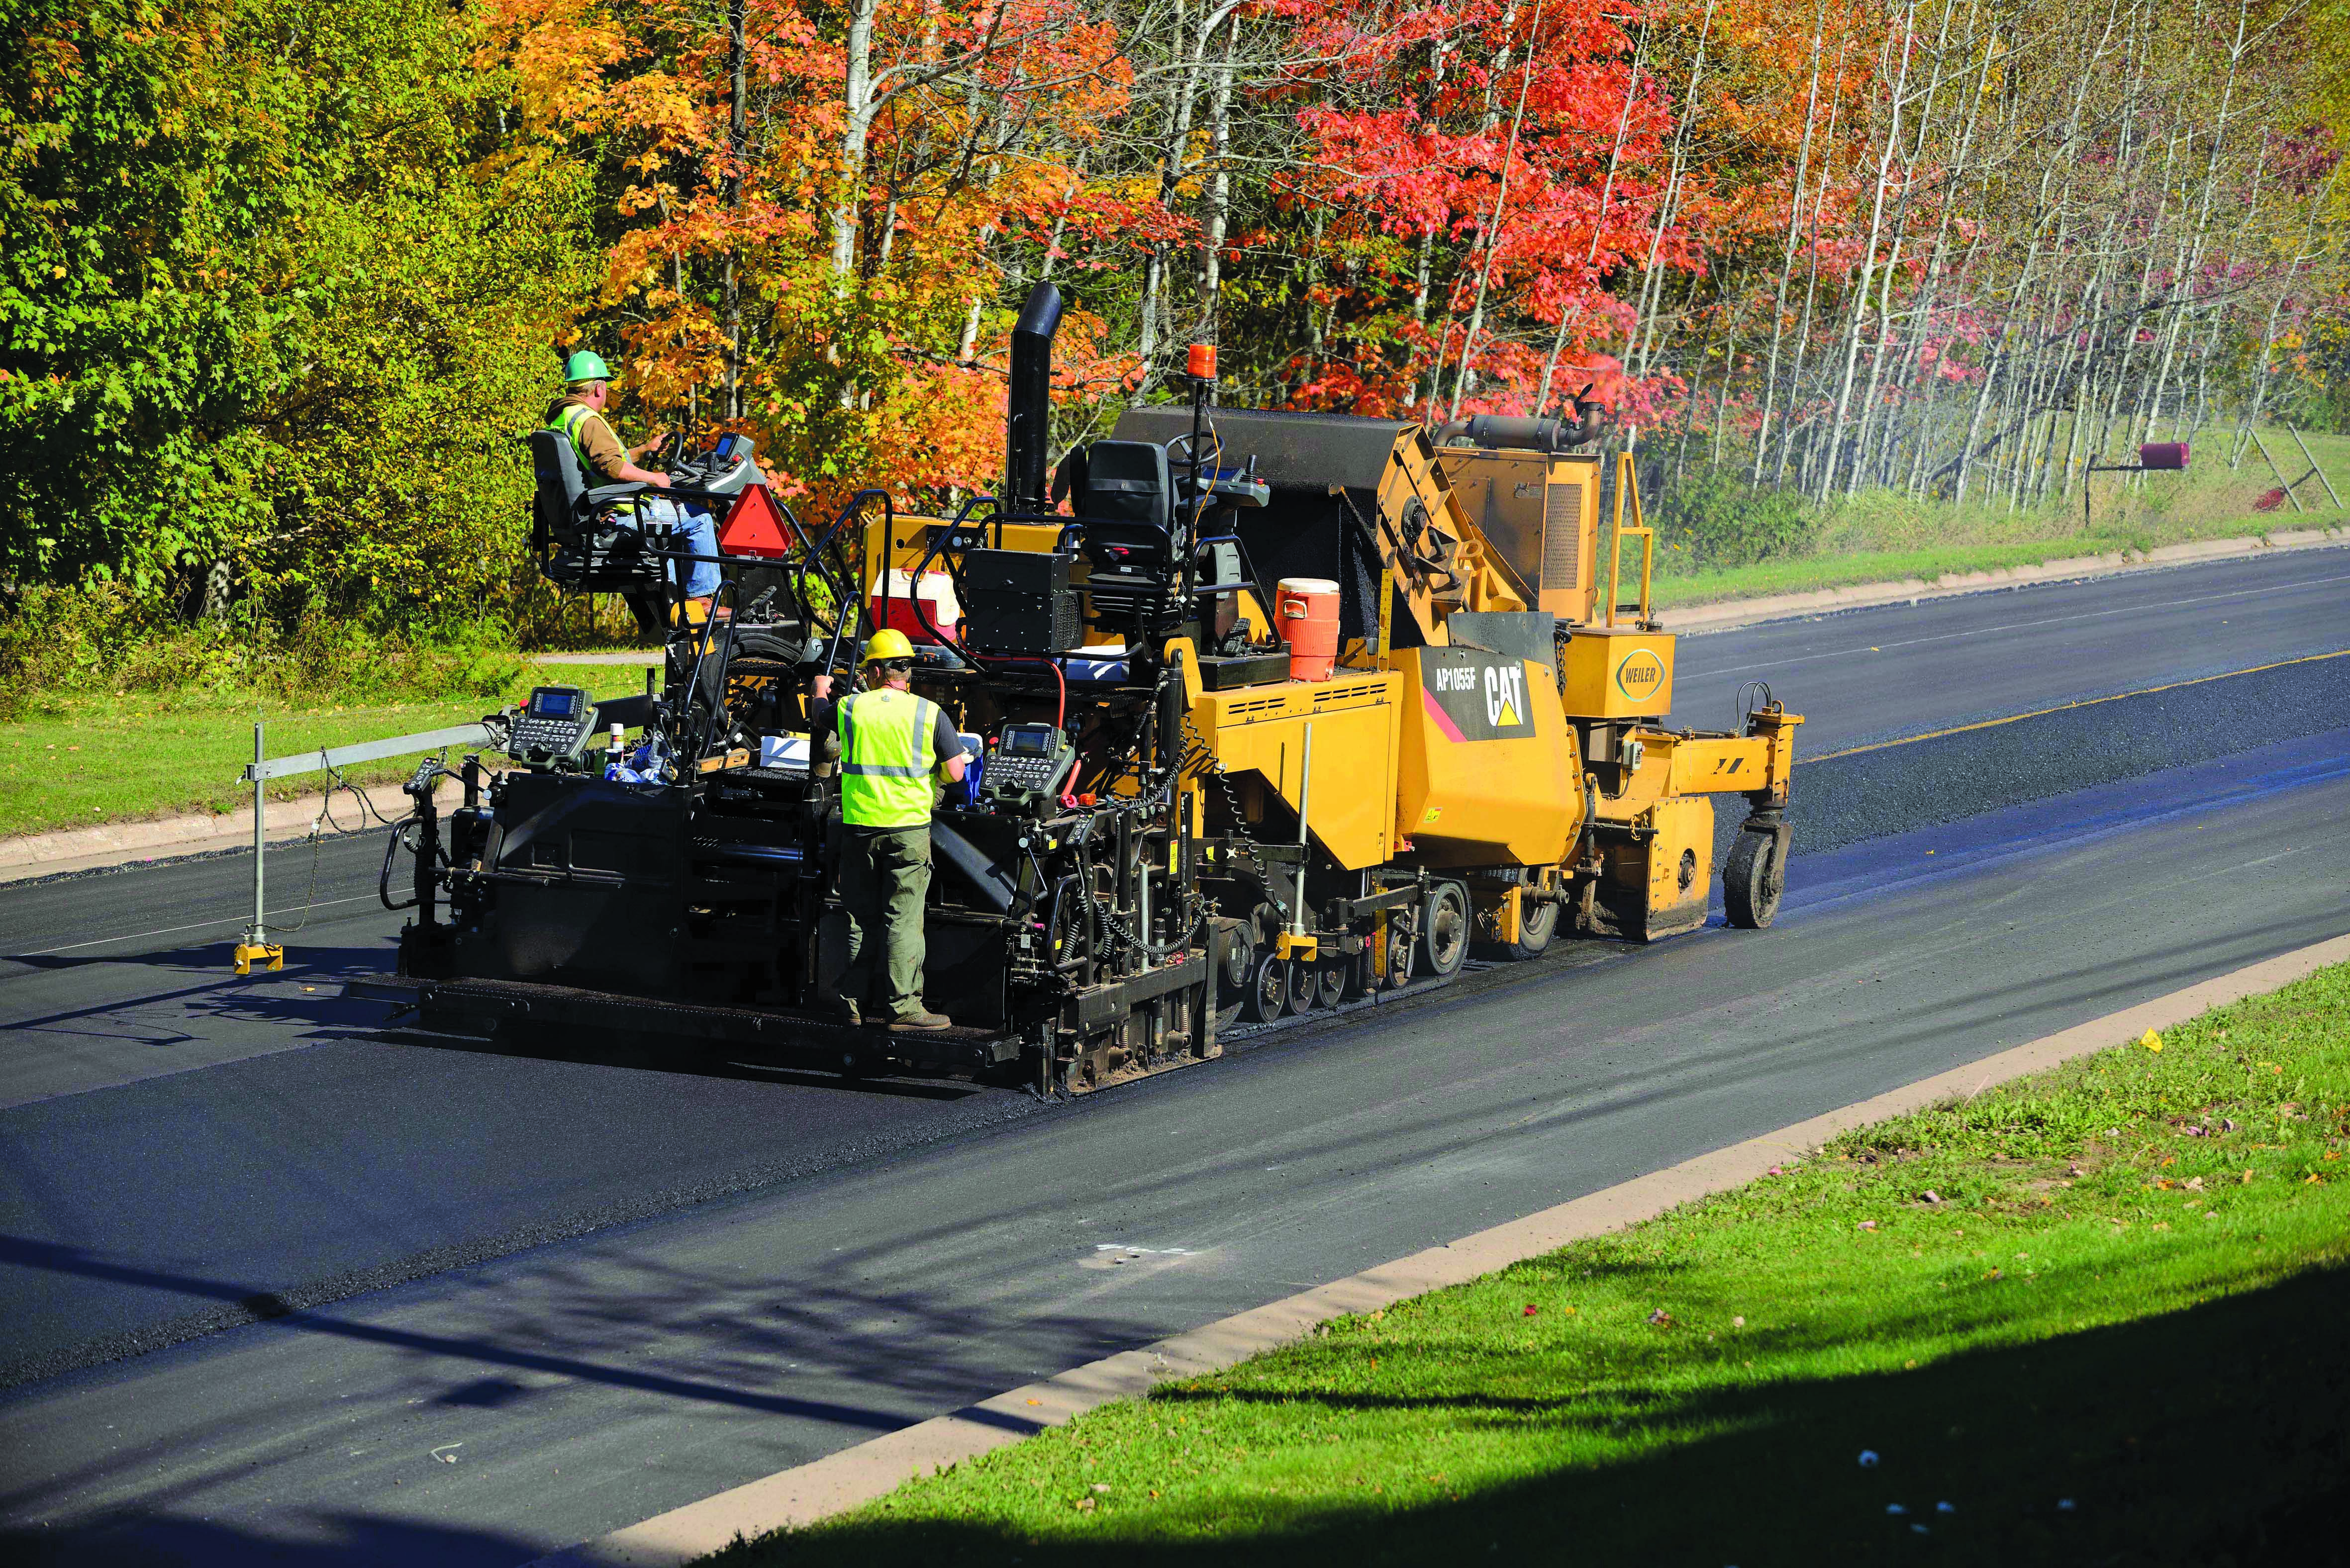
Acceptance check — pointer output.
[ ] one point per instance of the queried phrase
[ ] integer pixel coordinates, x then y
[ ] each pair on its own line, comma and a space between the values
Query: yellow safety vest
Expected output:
887, 756
570, 421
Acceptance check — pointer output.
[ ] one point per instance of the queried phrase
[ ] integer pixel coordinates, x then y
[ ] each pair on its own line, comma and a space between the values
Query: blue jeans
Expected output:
697, 532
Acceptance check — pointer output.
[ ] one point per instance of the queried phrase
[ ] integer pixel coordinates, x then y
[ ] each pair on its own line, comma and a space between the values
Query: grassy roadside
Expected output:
1884, 536
2096, 1313
1810, 574
82, 760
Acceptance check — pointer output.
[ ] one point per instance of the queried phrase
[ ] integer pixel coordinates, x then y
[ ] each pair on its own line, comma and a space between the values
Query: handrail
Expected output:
1627, 479
328, 759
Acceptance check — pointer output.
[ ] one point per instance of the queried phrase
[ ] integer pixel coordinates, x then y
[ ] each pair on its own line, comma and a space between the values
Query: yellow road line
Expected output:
2064, 707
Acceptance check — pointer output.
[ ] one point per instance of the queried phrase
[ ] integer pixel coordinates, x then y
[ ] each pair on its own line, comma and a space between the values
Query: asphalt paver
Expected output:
605, 1286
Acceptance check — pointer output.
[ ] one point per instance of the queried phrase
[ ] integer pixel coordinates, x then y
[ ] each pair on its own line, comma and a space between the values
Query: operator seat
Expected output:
1125, 496
578, 544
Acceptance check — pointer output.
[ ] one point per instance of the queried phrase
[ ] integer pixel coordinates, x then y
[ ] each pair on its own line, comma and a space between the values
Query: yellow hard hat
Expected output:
888, 644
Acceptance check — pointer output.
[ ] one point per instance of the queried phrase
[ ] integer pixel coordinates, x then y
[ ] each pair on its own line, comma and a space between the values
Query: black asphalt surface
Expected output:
615, 1287
1864, 676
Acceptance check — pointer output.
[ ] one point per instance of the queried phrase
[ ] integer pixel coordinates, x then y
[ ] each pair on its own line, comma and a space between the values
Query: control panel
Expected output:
1030, 762
725, 468
552, 726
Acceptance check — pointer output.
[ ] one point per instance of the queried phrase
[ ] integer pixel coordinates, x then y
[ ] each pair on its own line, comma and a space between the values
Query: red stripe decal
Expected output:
1443, 720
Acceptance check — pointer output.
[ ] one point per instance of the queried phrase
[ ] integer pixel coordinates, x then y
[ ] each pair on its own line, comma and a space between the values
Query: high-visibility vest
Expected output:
571, 419
888, 753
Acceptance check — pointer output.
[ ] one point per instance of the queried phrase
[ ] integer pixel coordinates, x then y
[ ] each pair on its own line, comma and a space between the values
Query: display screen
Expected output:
725, 447
1028, 741
556, 704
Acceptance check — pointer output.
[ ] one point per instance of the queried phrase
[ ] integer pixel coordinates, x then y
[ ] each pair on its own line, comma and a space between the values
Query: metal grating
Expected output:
1562, 565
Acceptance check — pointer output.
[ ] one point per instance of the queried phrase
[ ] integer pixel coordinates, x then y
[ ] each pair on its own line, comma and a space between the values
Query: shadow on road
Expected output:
613, 1048
333, 1540
2215, 1435
307, 994
326, 1014
522, 1351
220, 959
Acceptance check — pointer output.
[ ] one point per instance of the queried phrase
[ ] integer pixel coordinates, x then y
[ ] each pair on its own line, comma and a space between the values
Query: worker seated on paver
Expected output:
894, 745
579, 415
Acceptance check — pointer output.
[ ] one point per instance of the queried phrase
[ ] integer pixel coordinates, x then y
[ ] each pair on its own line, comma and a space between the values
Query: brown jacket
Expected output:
604, 450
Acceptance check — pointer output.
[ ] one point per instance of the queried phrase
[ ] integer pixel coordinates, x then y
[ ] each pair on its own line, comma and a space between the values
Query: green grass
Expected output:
2120, 1283
77, 760
1880, 536
1808, 574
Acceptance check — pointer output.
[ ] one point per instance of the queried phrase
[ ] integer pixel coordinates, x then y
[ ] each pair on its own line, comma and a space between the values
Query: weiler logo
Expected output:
1640, 675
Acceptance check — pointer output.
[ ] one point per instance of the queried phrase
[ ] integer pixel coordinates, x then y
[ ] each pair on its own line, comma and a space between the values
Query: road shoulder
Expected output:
854, 1476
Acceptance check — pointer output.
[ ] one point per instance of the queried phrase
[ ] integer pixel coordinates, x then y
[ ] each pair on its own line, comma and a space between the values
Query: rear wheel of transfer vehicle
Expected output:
1537, 923
1268, 992
1752, 881
1444, 930
1330, 981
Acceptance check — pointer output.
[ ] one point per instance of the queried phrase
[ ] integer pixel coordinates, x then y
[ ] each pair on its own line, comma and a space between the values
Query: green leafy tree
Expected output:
275, 296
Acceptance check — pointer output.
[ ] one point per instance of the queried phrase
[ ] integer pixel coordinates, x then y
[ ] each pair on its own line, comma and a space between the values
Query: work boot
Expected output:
844, 1011
921, 1018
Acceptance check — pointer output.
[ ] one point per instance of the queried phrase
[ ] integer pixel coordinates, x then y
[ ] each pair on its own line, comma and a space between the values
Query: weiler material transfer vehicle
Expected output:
1167, 832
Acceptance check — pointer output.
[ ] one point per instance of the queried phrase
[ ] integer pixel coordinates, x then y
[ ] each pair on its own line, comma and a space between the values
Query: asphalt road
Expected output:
605, 1288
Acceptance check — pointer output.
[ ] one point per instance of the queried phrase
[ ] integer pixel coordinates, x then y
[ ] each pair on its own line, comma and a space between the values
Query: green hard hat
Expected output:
585, 365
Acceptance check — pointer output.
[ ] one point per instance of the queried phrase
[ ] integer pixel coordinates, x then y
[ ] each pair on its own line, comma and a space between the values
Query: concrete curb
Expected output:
1732, 613
170, 837
855, 1476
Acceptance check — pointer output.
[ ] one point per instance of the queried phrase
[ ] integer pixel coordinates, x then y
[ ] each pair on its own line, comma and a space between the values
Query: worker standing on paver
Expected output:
893, 746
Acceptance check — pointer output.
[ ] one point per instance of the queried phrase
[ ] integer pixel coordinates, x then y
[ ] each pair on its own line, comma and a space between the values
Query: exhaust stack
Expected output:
1028, 416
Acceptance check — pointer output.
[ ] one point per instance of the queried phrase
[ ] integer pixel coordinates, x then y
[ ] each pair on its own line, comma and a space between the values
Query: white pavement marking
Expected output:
855, 1476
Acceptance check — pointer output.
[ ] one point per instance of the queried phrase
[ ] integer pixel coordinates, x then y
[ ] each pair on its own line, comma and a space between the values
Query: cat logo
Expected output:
1472, 694
1505, 687
1640, 675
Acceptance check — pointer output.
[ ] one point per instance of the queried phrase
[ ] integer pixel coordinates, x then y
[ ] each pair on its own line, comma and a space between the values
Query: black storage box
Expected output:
1019, 601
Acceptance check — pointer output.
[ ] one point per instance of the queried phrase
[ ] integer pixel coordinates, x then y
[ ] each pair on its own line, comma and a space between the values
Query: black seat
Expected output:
579, 545
1127, 481
1126, 497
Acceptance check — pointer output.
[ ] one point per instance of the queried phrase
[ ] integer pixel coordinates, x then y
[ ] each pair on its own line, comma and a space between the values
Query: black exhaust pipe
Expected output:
1516, 431
1028, 417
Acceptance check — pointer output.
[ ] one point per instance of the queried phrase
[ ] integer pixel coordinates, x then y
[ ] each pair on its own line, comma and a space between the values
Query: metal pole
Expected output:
2314, 467
260, 933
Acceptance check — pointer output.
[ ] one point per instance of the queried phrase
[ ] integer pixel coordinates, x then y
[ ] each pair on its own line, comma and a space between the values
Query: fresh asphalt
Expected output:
331, 1260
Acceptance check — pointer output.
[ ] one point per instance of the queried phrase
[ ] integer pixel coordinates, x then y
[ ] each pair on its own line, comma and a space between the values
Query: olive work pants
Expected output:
884, 876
